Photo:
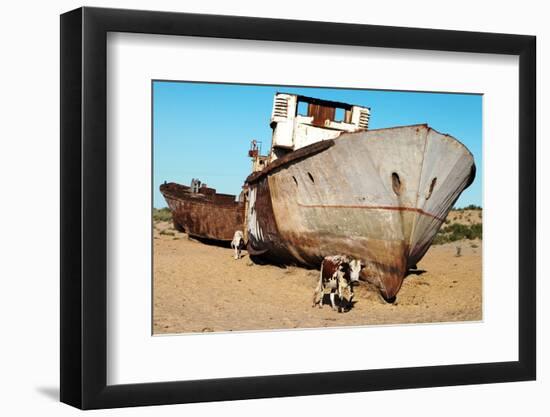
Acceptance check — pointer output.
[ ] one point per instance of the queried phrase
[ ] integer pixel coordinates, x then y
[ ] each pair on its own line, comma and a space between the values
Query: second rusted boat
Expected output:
203, 213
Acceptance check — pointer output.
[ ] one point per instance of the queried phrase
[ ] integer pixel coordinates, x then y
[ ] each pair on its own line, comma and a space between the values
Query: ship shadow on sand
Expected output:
261, 260
211, 242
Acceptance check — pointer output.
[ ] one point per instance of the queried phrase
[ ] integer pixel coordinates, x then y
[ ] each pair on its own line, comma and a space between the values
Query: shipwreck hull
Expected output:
379, 196
205, 214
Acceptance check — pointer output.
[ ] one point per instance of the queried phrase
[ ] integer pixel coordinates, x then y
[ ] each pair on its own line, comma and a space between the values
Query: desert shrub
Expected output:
477, 231
468, 207
456, 231
162, 215
440, 239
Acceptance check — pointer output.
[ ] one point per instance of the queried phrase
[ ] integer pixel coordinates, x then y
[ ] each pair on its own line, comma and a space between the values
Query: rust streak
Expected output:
395, 208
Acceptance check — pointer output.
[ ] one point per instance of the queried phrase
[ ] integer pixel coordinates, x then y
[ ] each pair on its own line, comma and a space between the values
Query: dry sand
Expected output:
201, 288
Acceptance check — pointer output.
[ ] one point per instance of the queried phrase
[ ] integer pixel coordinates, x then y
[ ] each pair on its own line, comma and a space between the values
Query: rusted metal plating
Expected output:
379, 196
205, 214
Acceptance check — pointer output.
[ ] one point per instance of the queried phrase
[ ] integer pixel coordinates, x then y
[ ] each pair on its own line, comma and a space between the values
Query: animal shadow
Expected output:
344, 304
415, 272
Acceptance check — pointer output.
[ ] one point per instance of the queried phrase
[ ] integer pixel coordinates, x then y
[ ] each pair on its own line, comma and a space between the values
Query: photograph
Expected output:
286, 207
266, 209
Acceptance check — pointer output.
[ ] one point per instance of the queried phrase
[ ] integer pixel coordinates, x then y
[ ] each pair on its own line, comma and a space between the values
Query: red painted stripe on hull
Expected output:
395, 208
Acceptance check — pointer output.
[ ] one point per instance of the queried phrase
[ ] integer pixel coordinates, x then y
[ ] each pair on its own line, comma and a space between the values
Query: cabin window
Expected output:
295, 180
432, 186
339, 115
302, 108
396, 183
310, 177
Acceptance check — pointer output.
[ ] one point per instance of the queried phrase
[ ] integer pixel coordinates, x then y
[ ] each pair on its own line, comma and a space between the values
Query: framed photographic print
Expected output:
257, 208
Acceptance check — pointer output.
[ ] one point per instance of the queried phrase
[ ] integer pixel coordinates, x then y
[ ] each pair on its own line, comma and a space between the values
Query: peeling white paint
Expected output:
254, 228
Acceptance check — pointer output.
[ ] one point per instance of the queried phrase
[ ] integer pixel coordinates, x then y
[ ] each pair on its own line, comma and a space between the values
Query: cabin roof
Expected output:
328, 103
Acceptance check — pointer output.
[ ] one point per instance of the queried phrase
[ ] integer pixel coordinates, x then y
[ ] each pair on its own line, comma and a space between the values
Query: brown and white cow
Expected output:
338, 273
237, 244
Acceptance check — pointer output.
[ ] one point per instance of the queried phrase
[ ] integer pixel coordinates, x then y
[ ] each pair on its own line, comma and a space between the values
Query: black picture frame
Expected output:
84, 207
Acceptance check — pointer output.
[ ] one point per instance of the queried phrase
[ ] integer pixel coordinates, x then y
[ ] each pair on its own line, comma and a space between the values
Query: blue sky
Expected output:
203, 130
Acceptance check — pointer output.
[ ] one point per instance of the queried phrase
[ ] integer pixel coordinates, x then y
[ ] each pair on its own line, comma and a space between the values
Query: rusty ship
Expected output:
329, 185
203, 213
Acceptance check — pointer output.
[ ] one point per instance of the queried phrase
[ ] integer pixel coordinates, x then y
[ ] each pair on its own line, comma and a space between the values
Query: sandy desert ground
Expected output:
201, 288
